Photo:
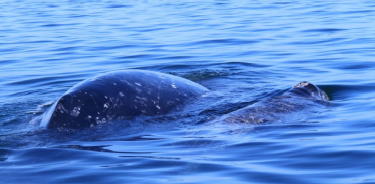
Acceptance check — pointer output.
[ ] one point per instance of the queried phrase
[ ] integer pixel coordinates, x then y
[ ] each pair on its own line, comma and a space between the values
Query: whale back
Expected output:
119, 95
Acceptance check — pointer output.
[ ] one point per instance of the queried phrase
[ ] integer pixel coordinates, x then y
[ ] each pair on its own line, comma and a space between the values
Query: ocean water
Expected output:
243, 51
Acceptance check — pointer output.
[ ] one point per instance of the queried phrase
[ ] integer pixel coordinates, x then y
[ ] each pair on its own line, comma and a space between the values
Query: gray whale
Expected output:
130, 93
119, 95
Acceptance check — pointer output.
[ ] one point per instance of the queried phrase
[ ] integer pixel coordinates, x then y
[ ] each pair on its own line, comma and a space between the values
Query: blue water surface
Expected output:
243, 51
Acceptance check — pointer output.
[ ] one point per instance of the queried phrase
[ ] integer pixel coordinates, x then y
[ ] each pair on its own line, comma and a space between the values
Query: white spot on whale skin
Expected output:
106, 105
140, 98
61, 108
138, 84
121, 94
75, 112
100, 121
114, 84
105, 97
158, 107
174, 86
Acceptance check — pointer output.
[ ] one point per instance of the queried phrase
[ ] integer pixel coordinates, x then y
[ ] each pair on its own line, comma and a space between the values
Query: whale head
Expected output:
310, 90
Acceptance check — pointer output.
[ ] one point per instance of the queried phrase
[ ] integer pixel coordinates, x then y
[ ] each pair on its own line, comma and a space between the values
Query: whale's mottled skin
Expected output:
120, 94
303, 96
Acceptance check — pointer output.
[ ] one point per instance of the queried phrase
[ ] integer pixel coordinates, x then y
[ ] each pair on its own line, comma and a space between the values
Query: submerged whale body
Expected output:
119, 95
304, 96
